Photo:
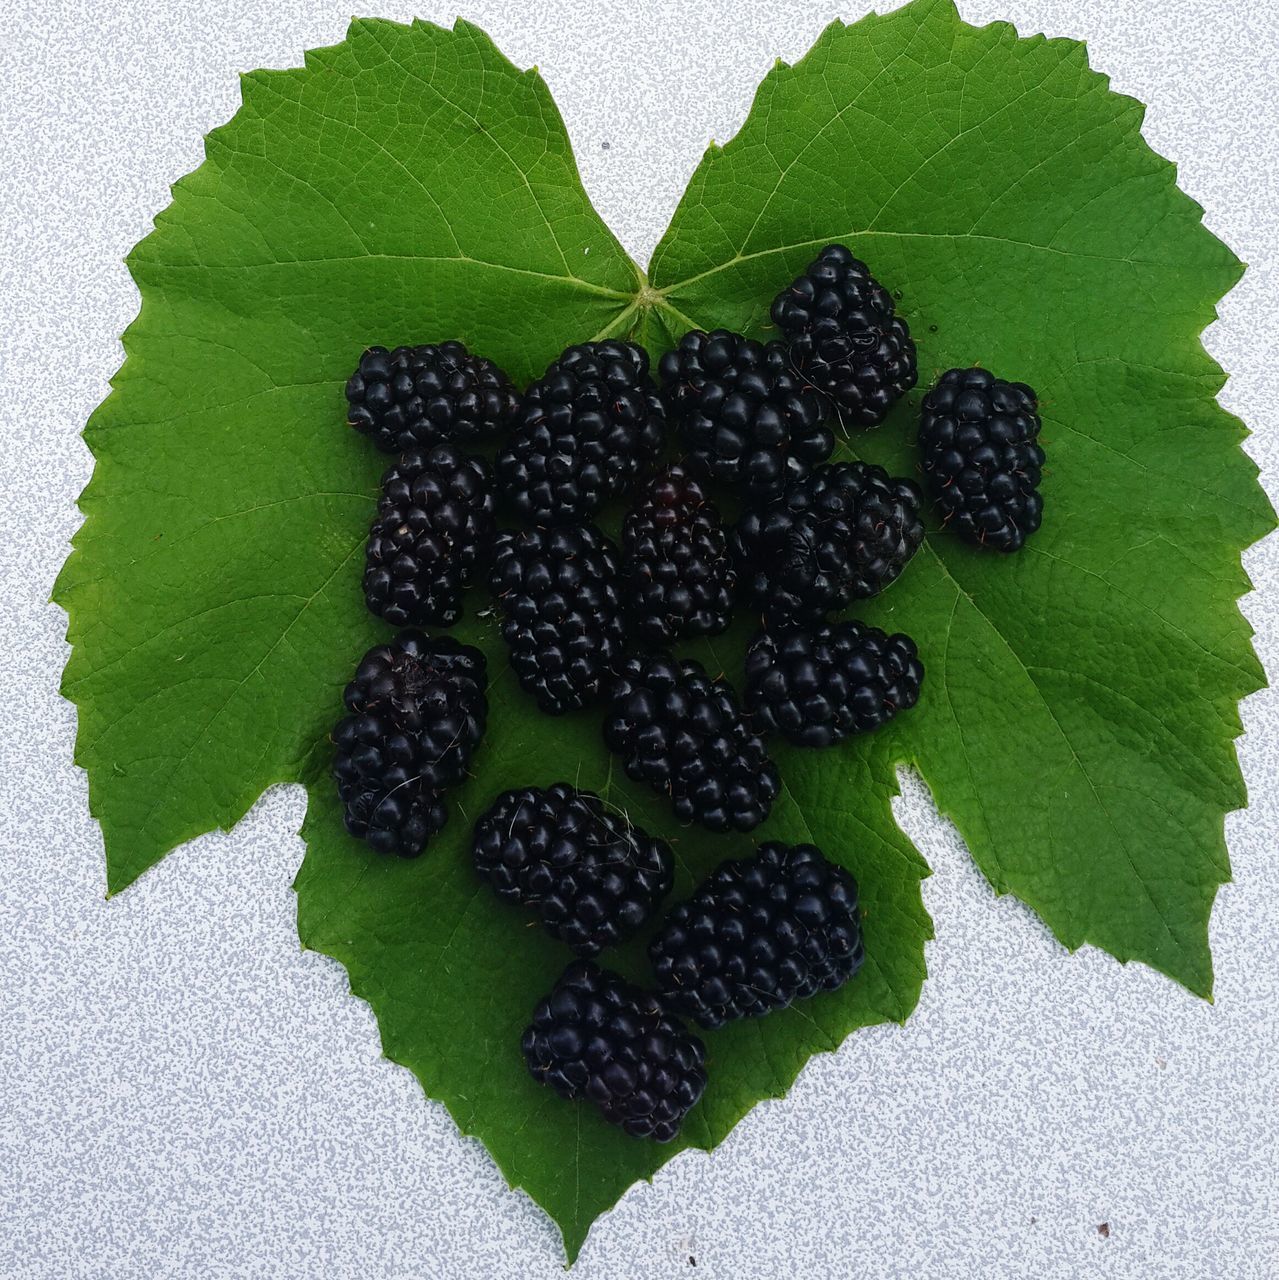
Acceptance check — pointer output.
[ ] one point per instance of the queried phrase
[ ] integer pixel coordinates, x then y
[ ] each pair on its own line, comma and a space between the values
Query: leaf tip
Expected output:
932, 11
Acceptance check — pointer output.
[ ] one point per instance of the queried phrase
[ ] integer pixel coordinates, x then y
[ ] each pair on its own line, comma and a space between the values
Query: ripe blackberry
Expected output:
591, 877
818, 686
684, 734
418, 710
838, 321
558, 591
432, 533
590, 426
677, 577
598, 1037
978, 437
416, 397
746, 416
843, 533
758, 934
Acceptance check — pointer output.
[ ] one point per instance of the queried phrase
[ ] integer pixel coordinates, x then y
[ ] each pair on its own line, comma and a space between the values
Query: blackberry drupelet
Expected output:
843, 533
558, 591
598, 1037
758, 934
416, 397
817, 686
590, 877
677, 577
746, 417
587, 429
432, 534
978, 441
684, 734
841, 328
417, 712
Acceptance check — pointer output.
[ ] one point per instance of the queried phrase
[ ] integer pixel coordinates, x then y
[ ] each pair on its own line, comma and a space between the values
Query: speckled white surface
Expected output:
183, 1092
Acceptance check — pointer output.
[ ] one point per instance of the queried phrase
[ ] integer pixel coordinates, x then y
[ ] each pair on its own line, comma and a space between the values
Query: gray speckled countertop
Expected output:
186, 1093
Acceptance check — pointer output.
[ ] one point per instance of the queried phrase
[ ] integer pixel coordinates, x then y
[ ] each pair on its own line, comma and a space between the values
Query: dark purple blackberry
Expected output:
598, 1037
418, 709
817, 686
677, 578
758, 934
978, 441
588, 428
684, 734
432, 533
839, 324
590, 877
417, 397
843, 533
558, 591
746, 417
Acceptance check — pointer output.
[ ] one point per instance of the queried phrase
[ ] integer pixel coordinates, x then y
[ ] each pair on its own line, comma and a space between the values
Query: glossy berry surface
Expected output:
558, 591
746, 417
431, 536
417, 713
817, 686
591, 878
979, 448
759, 934
588, 428
842, 330
598, 1037
841, 534
685, 735
678, 579
417, 397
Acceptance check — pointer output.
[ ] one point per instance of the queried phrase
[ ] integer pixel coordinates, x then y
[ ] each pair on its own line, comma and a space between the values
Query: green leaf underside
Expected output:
410, 184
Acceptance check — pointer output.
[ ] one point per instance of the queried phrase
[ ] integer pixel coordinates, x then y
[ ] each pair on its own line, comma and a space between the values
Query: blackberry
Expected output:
817, 687
591, 877
598, 1037
590, 426
432, 532
684, 734
746, 417
416, 397
418, 710
677, 577
558, 591
978, 437
843, 533
840, 324
758, 934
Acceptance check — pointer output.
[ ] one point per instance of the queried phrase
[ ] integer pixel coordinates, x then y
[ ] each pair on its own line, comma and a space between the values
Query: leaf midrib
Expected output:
858, 234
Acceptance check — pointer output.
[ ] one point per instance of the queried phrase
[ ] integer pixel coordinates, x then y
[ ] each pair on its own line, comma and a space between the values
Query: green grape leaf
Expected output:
410, 184
1082, 700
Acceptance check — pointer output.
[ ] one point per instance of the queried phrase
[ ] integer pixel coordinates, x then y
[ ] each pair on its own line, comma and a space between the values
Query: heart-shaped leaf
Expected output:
410, 185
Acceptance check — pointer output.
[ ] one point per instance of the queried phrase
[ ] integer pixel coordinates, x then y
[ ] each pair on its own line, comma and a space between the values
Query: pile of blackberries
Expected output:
729, 422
